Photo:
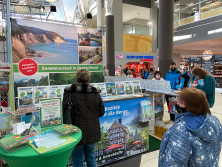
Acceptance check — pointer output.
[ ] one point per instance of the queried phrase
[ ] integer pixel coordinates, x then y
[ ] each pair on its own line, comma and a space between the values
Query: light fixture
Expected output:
42, 9
151, 23
52, 9
157, 3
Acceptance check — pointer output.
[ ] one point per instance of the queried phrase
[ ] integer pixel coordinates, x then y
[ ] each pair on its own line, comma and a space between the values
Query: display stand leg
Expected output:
151, 123
0, 162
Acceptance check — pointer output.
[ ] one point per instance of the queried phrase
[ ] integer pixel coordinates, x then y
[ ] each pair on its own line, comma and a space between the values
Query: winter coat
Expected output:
183, 80
146, 75
88, 107
151, 76
172, 76
209, 89
193, 141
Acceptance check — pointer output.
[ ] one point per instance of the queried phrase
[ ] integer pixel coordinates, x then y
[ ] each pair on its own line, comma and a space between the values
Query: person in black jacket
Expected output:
87, 108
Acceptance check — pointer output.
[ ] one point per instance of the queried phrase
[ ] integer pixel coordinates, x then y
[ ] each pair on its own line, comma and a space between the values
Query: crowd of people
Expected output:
195, 138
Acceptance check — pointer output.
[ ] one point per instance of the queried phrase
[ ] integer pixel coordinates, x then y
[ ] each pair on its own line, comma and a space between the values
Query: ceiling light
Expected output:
151, 23
134, 12
51, 0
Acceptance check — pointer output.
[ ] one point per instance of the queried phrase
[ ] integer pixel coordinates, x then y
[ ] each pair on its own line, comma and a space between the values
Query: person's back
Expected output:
192, 146
195, 138
87, 108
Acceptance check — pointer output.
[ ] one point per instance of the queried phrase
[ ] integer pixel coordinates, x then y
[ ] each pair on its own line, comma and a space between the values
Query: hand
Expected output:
194, 85
179, 88
195, 82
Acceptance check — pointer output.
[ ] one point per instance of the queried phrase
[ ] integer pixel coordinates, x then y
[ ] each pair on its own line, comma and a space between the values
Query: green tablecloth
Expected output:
28, 157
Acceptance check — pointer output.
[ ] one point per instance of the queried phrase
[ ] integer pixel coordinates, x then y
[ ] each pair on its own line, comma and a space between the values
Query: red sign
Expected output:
28, 67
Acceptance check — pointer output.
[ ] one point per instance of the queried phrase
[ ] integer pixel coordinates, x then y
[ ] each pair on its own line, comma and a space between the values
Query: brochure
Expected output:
13, 143
40, 92
111, 89
146, 112
128, 87
66, 129
48, 140
4, 122
120, 88
25, 95
137, 87
54, 91
102, 87
50, 112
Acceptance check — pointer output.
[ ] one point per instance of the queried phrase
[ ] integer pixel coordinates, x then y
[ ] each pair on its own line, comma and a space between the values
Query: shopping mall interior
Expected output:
149, 60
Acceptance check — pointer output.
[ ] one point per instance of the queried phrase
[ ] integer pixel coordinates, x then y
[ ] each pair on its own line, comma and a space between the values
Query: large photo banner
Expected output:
46, 55
123, 134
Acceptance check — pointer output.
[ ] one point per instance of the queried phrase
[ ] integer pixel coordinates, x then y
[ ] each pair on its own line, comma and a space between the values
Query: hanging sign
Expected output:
207, 55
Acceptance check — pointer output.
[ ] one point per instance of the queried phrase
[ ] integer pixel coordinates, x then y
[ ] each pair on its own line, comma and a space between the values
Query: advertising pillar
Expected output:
110, 49
165, 34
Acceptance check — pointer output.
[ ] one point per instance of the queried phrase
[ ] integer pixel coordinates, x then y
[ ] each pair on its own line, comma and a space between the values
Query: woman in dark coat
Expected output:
88, 107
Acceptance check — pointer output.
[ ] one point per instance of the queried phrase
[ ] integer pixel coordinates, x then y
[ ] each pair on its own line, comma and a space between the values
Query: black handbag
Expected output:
68, 117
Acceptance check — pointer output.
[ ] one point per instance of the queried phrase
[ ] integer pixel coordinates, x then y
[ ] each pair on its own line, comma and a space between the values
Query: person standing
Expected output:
195, 138
122, 74
87, 108
151, 74
172, 76
129, 74
208, 85
126, 70
158, 76
186, 79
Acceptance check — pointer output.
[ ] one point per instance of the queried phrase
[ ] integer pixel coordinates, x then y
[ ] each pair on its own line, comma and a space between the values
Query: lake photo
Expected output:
45, 43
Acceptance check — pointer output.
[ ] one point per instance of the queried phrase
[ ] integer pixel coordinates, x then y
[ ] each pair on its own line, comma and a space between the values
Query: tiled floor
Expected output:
151, 159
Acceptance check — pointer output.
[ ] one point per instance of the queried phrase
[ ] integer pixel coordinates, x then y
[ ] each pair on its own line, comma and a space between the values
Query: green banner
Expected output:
63, 68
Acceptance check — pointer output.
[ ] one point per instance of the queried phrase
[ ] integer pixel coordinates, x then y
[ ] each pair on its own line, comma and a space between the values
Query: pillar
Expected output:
165, 34
99, 13
154, 31
110, 48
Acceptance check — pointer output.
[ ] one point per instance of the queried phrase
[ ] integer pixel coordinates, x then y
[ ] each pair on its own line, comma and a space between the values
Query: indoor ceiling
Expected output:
197, 48
135, 12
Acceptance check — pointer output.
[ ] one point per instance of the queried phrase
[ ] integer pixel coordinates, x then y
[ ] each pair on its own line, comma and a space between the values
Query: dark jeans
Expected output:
172, 116
89, 152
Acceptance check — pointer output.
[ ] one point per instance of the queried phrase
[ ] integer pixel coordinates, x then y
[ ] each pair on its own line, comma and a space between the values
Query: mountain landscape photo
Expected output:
42, 45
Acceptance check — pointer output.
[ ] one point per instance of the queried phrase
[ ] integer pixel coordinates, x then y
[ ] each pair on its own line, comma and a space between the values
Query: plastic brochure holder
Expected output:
167, 86
147, 84
28, 123
172, 105
146, 113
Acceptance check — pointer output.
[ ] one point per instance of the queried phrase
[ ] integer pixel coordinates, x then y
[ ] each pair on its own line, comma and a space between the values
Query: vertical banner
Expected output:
123, 134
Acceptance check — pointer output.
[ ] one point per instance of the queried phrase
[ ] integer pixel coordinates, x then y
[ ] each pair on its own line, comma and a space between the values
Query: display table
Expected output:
28, 157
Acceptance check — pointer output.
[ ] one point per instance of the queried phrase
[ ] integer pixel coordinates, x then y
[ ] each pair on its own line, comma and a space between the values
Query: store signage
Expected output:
140, 57
207, 55
120, 57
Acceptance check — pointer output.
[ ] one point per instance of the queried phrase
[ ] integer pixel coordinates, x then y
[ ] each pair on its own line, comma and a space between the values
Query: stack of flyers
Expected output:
102, 87
137, 87
120, 88
54, 91
146, 113
111, 89
40, 92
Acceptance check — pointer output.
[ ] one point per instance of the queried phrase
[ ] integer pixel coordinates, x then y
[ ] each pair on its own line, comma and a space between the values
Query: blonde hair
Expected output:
121, 72
83, 76
129, 72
